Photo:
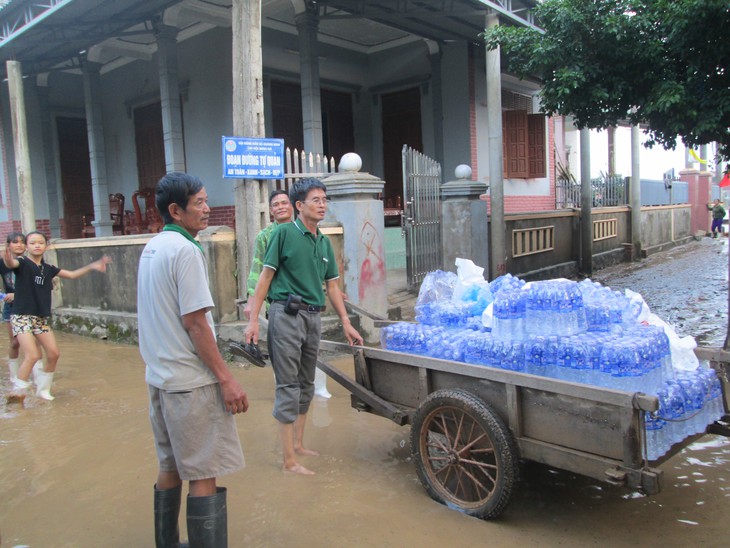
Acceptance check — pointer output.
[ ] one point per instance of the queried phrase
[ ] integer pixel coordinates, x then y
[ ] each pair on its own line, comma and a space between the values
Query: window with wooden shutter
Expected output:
516, 124
523, 144
536, 145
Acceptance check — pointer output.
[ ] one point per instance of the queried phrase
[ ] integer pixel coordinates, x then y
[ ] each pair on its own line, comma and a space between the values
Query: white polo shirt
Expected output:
172, 281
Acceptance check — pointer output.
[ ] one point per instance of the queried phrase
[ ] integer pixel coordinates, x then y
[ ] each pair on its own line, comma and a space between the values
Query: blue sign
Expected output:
249, 158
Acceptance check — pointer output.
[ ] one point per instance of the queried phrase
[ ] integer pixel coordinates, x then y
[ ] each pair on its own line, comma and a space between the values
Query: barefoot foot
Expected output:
15, 398
297, 469
308, 452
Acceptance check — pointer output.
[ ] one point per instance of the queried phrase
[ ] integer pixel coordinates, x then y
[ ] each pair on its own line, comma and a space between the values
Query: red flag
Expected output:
725, 180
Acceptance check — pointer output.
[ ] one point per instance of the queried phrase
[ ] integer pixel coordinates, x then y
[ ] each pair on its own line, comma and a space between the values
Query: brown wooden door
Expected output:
338, 134
73, 147
286, 114
150, 145
401, 116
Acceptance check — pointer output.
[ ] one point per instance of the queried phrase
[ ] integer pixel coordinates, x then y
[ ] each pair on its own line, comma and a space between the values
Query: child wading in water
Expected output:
16, 243
32, 311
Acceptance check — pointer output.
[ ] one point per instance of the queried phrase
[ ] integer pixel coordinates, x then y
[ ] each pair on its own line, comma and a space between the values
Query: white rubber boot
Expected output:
44, 380
37, 366
13, 366
320, 384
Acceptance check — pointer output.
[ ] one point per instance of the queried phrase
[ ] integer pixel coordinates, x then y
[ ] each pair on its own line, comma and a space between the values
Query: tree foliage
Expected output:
661, 63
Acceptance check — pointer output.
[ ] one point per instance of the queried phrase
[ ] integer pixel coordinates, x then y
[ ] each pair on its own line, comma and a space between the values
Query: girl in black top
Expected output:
32, 310
16, 242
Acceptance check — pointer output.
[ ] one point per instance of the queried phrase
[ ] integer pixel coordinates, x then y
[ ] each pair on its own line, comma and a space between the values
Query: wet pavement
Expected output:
78, 471
686, 287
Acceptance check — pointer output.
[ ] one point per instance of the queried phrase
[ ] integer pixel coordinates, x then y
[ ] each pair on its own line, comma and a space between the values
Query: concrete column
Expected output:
307, 23
438, 106
172, 131
20, 145
497, 233
635, 198
47, 129
354, 204
611, 133
586, 203
463, 218
97, 151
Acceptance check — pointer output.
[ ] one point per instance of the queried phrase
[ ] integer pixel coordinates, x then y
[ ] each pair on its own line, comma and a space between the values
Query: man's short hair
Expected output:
275, 193
175, 188
299, 190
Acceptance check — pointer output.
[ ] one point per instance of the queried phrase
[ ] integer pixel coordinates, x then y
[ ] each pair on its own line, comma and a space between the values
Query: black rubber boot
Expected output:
208, 520
167, 509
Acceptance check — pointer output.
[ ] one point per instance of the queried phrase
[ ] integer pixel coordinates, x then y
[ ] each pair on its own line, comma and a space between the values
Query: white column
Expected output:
172, 131
97, 151
307, 23
497, 240
586, 203
20, 144
636, 191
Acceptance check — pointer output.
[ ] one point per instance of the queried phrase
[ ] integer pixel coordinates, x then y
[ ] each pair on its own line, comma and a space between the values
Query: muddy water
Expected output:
78, 472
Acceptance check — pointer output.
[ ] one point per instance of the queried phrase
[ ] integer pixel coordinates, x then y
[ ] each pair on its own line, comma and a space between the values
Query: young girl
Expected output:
16, 242
32, 310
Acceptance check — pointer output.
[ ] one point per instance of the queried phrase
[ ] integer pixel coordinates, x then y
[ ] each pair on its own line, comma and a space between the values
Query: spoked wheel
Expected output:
464, 454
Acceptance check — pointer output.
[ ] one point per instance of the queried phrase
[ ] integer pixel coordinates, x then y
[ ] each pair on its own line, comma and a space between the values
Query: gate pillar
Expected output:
464, 220
354, 204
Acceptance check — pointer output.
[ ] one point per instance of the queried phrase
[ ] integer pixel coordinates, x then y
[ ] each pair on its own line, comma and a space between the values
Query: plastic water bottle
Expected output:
712, 389
534, 307
676, 412
534, 360
608, 365
694, 402
654, 427
580, 361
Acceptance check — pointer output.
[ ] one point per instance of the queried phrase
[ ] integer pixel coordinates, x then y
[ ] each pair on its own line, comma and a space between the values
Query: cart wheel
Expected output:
464, 454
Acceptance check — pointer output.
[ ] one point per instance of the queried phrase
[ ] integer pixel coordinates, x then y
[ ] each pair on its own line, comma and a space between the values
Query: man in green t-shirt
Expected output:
298, 260
282, 212
718, 216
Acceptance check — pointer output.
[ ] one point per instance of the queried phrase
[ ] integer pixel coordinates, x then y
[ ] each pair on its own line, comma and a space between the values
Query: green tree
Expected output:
661, 63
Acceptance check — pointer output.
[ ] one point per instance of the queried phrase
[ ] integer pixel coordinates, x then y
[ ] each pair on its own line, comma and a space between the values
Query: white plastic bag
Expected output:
682, 348
467, 274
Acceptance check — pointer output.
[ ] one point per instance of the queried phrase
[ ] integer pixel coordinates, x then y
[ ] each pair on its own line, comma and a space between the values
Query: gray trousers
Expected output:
293, 343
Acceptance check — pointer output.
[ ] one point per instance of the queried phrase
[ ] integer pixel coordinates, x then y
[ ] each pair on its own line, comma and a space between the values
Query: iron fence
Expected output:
606, 191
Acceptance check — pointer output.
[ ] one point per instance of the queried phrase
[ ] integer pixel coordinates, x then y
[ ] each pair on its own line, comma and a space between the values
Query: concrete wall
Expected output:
665, 226
105, 305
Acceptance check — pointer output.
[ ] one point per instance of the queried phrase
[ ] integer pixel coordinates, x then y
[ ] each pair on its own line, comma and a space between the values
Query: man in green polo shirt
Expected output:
282, 212
298, 260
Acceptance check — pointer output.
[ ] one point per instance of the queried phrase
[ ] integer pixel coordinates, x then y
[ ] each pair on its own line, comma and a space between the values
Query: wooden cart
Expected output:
471, 425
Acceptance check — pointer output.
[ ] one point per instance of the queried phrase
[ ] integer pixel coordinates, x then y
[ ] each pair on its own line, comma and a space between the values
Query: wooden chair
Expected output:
116, 213
146, 216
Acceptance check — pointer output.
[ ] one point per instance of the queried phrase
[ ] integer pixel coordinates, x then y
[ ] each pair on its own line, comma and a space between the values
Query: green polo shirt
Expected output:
302, 261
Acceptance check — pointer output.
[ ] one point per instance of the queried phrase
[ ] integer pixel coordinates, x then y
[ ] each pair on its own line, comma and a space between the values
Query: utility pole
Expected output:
248, 121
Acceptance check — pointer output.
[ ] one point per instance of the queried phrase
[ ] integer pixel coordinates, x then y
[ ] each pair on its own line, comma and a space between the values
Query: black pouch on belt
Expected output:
292, 305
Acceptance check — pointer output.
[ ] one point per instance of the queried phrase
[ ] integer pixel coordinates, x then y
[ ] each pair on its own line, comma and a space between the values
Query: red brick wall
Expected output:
473, 118
223, 215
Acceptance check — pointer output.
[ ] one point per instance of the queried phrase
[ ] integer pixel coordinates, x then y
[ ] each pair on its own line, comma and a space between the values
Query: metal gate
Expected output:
421, 215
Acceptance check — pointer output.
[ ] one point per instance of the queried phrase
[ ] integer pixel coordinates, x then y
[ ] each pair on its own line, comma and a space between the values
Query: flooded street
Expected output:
78, 471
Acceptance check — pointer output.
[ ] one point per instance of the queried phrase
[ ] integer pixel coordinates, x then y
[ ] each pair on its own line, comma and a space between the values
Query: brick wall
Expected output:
223, 215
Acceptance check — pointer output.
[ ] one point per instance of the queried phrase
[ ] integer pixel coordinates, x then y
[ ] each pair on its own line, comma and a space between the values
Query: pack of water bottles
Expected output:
579, 332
